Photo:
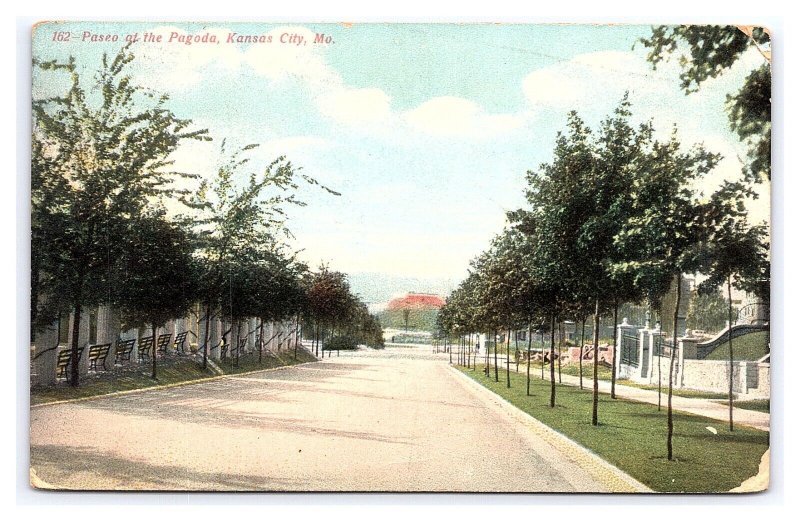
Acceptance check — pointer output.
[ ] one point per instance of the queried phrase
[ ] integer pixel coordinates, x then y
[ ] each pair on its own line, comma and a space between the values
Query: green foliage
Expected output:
705, 51
156, 275
96, 164
418, 319
340, 342
707, 312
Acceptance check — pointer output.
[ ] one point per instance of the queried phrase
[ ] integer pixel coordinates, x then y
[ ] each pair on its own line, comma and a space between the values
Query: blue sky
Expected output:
426, 130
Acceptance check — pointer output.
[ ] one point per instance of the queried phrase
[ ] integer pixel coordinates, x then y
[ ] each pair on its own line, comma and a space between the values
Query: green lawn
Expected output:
684, 393
751, 346
751, 405
632, 436
175, 370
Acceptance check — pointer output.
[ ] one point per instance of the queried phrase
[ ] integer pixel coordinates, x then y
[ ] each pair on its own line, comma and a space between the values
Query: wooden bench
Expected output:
123, 351
64, 360
98, 353
240, 346
163, 343
180, 341
145, 348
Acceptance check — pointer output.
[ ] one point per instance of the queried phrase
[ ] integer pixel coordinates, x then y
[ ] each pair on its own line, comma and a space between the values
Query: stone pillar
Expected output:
687, 349
108, 330
651, 339
252, 324
44, 364
624, 329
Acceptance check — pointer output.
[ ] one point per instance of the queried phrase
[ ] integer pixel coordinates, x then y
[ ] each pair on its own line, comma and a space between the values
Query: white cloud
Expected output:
451, 116
170, 65
279, 61
355, 106
589, 75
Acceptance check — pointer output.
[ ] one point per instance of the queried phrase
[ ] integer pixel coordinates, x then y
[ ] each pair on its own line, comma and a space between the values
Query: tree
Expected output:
736, 255
329, 302
157, 279
706, 51
238, 223
707, 311
98, 162
666, 227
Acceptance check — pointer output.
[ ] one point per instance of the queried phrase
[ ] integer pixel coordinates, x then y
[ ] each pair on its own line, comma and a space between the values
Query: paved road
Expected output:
396, 420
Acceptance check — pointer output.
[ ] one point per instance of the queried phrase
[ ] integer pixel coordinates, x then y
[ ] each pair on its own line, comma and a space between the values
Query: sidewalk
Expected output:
699, 406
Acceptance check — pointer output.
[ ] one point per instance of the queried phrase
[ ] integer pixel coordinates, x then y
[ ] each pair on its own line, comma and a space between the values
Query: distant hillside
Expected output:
418, 319
419, 309
375, 288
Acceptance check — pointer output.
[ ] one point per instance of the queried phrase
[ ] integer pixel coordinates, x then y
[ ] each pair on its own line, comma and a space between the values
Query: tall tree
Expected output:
705, 52
98, 161
662, 237
736, 255
157, 277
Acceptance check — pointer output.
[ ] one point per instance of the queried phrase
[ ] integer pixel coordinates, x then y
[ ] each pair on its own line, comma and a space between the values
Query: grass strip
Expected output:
632, 436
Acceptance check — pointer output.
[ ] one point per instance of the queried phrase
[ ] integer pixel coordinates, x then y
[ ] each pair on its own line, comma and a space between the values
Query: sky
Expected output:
427, 131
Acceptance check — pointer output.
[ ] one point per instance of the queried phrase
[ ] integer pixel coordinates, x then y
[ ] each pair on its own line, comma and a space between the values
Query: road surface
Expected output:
394, 420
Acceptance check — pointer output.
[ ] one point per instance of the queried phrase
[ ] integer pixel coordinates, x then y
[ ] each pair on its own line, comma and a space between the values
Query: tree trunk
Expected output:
297, 337
595, 346
486, 356
670, 426
541, 341
450, 352
238, 338
317, 347
552, 364
74, 370
260, 341
496, 377
661, 352
205, 336
580, 355
154, 376
528, 376
614, 353
730, 353
508, 360
560, 343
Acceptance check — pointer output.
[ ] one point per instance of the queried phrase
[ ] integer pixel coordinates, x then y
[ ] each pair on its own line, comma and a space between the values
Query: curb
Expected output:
616, 479
167, 386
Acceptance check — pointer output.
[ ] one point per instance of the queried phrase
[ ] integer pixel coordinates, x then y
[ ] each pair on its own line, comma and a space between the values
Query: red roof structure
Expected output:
416, 301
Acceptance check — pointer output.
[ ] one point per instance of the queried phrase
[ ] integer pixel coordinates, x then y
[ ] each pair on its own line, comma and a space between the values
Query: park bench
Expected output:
180, 340
123, 351
145, 347
98, 353
163, 342
240, 347
64, 360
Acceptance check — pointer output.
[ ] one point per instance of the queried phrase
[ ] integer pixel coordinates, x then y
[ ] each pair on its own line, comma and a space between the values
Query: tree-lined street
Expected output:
391, 420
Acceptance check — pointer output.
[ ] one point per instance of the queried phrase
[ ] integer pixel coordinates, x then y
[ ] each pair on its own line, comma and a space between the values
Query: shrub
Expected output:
340, 343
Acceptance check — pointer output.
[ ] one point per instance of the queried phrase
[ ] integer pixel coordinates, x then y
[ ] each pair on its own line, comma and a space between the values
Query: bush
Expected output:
340, 343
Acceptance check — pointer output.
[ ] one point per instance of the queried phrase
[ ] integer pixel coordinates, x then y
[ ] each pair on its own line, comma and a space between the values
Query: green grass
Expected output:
683, 393
751, 346
173, 371
751, 405
604, 373
632, 436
